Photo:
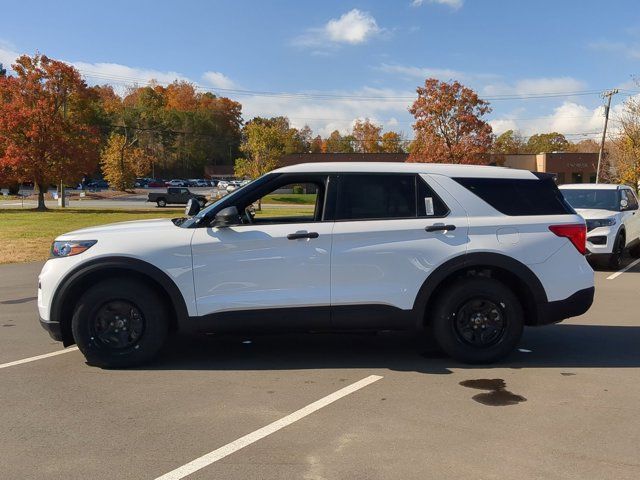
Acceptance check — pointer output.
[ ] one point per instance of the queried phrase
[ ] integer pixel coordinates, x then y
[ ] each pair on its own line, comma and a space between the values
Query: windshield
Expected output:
586, 198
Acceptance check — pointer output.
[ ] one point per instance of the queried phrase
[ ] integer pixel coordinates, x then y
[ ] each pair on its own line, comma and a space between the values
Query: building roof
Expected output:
591, 186
393, 167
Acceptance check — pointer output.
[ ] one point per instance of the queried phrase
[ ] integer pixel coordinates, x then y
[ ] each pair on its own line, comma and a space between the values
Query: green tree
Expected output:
547, 143
266, 141
122, 161
509, 143
336, 143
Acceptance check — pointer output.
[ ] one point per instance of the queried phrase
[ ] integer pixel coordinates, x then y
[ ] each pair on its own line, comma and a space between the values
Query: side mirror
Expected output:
624, 204
227, 217
192, 208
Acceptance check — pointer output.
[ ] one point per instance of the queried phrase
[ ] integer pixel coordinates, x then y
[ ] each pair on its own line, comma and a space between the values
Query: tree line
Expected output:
55, 128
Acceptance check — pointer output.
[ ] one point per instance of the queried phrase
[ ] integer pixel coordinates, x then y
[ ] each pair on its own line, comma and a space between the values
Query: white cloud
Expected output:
574, 119
455, 4
421, 72
386, 107
353, 28
8, 54
535, 86
630, 50
218, 80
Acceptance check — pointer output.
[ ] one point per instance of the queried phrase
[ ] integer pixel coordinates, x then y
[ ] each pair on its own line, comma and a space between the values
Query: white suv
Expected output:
469, 254
613, 222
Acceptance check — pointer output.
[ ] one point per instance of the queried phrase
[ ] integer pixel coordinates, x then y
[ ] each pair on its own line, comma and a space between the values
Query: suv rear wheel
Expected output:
161, 202
477, 320
119, 323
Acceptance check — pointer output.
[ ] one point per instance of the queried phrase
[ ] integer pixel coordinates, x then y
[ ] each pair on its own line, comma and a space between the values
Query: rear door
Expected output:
391, 232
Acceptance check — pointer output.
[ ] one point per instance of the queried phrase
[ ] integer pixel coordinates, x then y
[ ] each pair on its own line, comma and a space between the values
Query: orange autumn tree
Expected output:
449, 127
45, 129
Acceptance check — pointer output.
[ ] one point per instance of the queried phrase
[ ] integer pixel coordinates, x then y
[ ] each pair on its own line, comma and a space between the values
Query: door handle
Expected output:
440, 228
296, 236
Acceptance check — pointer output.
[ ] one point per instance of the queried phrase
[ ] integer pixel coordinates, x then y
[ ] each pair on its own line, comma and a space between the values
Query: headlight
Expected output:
604, 222
69, 248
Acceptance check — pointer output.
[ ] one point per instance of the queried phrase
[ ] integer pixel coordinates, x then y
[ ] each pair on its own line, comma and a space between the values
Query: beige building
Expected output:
568, 167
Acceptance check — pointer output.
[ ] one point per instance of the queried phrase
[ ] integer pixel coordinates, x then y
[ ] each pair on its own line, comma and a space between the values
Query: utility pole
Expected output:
608, 94
61, 195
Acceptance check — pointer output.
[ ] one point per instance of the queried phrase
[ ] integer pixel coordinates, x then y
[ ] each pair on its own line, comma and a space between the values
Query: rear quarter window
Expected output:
519, 197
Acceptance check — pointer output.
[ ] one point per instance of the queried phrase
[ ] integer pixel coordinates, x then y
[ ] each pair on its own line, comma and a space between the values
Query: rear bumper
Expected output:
572, 306
53, 328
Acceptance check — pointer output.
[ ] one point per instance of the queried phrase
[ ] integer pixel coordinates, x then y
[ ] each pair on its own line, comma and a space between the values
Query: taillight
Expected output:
576, 233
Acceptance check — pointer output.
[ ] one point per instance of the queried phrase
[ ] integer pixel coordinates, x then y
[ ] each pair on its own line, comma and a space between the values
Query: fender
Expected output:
76, 277
480, 259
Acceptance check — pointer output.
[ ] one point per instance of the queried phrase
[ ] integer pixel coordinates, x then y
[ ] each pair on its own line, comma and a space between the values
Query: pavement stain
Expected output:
19, 300
498, 395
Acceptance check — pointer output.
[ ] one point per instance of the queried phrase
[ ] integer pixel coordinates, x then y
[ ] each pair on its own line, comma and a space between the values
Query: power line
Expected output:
132, 81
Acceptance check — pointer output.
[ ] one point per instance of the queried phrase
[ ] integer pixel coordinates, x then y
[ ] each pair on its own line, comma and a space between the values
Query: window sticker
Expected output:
428, 206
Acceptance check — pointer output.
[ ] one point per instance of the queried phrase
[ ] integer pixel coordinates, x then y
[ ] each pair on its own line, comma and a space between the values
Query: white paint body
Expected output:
350, 262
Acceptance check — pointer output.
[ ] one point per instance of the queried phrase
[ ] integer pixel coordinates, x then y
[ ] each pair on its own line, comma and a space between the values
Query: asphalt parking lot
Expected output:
565, 406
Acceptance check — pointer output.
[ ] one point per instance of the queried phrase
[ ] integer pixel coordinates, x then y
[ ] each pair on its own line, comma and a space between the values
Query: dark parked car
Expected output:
176, 196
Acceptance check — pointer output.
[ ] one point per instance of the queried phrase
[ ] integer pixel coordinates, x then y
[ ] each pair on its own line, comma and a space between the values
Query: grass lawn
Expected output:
26, 235
291, 198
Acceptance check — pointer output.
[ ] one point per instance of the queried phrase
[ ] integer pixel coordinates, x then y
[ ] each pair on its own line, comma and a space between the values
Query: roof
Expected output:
592, 186
445, 169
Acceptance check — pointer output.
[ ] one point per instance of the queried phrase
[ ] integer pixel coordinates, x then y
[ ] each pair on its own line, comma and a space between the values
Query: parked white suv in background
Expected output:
613, 221
470, 254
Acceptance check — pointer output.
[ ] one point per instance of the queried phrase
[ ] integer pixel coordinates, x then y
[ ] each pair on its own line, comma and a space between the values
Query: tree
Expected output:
3, 71
366, 136
336, 143
391, 142
626, 145
317, 145
449, 125
45, 130
508, 143
122, 161
547, 143
585, 146
266, 140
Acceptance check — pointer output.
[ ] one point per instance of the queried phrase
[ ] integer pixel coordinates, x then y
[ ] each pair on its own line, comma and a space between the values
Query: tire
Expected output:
161, 202
635, 251
134, 308
456, 319
202, 203
615, 259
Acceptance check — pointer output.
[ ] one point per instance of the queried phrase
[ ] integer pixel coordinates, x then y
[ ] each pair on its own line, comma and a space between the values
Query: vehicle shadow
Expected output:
556, 346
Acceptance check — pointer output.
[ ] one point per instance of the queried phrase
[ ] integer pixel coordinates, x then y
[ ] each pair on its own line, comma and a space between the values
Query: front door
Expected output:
277, 257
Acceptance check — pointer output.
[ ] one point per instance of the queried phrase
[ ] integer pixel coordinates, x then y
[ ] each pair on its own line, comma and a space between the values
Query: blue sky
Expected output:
341, 60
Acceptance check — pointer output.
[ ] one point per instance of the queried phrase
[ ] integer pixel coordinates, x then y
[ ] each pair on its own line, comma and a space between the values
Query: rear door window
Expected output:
386, 196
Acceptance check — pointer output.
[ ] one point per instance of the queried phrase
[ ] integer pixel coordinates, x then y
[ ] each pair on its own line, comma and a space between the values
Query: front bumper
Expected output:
572, 306
53, 328
600, 240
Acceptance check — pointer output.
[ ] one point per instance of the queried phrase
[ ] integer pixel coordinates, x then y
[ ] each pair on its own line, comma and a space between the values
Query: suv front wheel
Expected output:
119, 323
477, 320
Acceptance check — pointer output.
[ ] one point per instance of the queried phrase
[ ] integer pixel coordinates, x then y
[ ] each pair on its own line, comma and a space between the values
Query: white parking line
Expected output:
253, 437
620, 272
38, 357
